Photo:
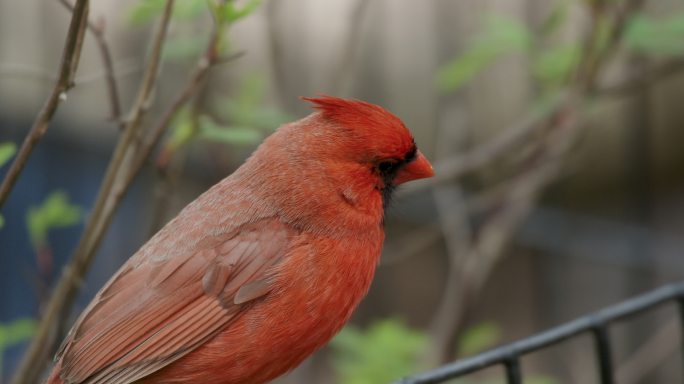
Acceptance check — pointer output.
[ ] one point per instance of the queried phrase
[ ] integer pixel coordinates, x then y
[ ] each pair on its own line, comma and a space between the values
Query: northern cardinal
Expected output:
259, 271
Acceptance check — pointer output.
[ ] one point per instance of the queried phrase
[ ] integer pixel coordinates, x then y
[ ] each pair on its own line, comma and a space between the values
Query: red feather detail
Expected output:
257, 273
351, 111
385, 132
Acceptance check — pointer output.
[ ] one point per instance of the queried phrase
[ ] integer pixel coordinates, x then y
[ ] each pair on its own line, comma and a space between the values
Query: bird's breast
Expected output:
316, 289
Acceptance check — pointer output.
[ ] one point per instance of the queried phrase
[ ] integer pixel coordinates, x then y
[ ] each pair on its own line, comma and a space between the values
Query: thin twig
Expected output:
277, 49
411, 243
98, 32
61, 301
458, 165
85, 248
135, 157
653, 352
69, 63
125, 67
196, 81
458, 239
126, 163
26, 70
349, 51
641, 80
559, 131
474, 255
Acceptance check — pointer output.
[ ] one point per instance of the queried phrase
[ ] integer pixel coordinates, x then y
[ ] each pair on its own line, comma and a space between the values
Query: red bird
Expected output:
259, 271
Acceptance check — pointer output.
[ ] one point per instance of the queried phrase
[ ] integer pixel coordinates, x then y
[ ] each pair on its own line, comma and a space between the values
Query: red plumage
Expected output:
259, 271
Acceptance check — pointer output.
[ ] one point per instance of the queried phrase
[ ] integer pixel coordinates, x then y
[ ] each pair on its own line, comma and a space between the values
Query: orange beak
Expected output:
419, 168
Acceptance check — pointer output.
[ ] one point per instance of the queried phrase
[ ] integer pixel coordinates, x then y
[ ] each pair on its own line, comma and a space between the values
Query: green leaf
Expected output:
54, 212
556, 19
2, 221
231, 135
7, 151
246, 109
14, 333
554, 66
603, 35
189, 9
386, 351
501, 36
252, 90
182, 131
183, 47
231, 13
270, 119
146, 11
541, 379
478, 338
656, 36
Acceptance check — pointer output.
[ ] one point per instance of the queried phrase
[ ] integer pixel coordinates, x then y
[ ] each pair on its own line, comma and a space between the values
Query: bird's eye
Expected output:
387, 166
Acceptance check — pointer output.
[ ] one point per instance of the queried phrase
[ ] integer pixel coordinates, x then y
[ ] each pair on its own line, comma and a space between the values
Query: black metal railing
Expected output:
597, 324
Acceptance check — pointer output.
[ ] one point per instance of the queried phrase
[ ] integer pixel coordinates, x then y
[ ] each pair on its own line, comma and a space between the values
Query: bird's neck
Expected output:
339, 200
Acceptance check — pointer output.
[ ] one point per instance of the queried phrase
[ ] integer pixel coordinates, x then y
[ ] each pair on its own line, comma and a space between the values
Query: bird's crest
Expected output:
384, 135
352, 113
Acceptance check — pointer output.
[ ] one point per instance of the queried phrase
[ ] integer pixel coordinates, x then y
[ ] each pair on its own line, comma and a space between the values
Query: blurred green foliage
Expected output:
386, 351
14, 333
553, 64
233, 13
478, 338
501, 36
656, 36
7, 151
481, 337
557, 17
239, 120
145, 11
210, 130
182, 131
533, 379
54, 212
247, 108
183, 46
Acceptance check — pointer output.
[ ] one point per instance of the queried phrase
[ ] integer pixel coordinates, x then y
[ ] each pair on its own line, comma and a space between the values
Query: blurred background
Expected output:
556, 128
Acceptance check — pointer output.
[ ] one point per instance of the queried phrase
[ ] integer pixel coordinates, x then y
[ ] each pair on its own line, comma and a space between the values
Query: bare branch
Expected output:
61, 301
98, 32
69, 63
347, 54
457, 235
663, 344
471, 264
642, 80
458, 165
26, 70
126, 162
125, 67
194, 84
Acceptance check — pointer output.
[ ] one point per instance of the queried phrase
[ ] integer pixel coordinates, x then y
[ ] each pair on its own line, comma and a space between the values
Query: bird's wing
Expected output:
151, 314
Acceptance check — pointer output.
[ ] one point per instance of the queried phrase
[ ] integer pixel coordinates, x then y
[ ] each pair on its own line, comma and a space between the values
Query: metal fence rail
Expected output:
597, 324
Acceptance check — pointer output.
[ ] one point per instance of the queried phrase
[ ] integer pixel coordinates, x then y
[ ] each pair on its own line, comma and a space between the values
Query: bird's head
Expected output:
348, 154
375, 139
